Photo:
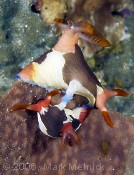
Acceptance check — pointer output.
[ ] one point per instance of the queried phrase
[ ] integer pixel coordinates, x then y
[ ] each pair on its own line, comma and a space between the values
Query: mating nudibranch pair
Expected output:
64, 67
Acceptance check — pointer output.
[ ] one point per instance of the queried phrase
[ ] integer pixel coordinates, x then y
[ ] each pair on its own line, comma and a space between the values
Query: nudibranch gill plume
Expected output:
64, 67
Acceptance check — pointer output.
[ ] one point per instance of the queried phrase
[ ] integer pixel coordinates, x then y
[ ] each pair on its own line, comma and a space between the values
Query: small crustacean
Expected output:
54, 122
64, 67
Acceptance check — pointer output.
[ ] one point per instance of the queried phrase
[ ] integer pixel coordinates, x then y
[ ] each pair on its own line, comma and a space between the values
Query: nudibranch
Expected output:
64, 67
56, 123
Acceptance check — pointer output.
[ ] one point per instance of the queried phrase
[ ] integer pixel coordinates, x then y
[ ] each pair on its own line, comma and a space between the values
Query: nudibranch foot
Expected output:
101, 100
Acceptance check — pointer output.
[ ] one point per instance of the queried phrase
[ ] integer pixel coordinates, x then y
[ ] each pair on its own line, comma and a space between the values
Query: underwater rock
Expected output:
130, 162
22, 38
120, 75
25, 150
100, 13
50, 10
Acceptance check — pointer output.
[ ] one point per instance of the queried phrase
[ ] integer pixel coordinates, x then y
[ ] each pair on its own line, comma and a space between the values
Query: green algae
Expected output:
105, 147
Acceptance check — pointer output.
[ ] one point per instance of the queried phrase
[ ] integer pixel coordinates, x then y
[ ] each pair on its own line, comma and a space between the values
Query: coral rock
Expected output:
25, 150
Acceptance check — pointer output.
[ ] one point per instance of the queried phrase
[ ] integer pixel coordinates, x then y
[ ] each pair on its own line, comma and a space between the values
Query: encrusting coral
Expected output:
24, 149
50, 9
97, 11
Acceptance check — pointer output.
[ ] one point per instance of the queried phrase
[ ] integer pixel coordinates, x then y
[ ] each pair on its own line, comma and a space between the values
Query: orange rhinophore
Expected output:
39, 105
101, 100
86, 31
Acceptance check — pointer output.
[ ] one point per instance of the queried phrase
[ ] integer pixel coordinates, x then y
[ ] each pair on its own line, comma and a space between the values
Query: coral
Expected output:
52, 9
99, 12
101, 15
25, 150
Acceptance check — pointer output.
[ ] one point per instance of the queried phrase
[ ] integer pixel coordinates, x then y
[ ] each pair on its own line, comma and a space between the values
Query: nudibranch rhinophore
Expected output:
64, 67
56, 123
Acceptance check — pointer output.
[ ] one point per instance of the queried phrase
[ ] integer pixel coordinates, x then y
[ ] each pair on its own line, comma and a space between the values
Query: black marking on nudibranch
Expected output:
77, 68
53, 121
42, 57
